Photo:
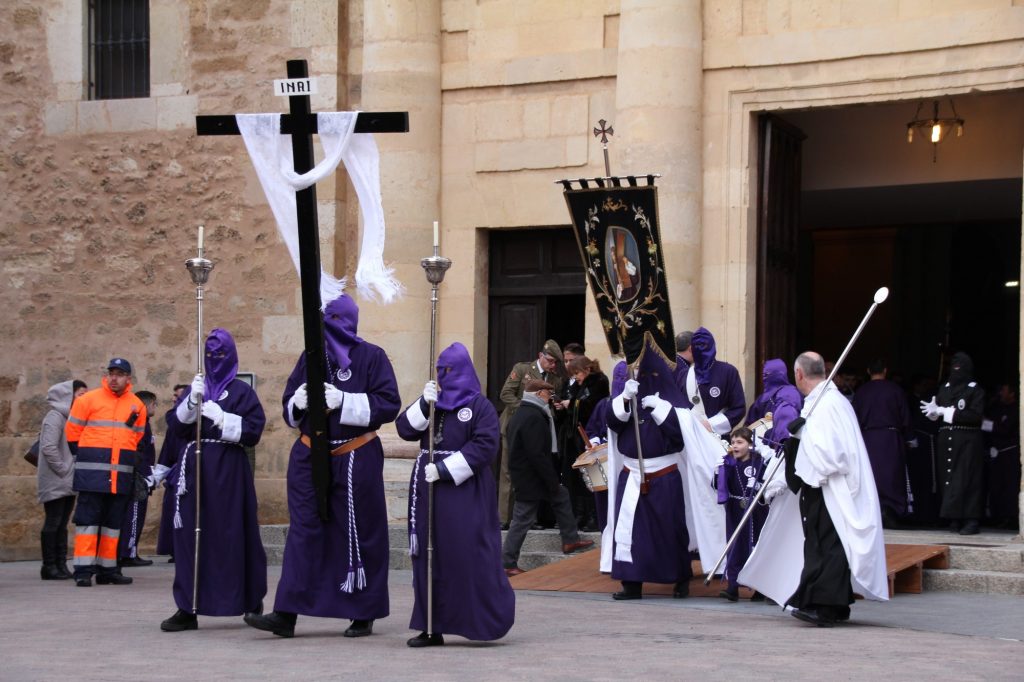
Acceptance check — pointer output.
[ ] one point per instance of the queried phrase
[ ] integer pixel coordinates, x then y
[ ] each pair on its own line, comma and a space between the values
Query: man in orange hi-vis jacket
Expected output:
104, 430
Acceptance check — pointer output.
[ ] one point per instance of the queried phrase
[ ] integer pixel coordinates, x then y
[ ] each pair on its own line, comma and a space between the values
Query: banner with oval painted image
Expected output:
617, 232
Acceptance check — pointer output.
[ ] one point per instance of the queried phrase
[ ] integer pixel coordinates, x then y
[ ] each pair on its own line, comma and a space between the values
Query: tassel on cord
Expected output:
180, 489
414, 545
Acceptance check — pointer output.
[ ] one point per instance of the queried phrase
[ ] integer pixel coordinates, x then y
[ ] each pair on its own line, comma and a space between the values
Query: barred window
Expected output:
118, 49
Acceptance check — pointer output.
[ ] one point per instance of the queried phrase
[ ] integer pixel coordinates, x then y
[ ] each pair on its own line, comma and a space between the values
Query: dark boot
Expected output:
423, 639
970, 527
112, 579
62, 553
360, 628
48, 542
681, 590
180, 621
630, 590
280, 623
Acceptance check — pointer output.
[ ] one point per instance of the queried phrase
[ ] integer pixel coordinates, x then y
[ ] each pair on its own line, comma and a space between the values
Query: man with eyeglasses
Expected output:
103, 431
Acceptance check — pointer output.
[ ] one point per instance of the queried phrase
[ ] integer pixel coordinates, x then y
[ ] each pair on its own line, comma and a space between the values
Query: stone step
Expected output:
998, 559
961, 580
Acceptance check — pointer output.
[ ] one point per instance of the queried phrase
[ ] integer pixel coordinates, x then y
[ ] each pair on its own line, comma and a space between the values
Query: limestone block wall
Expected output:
100, 207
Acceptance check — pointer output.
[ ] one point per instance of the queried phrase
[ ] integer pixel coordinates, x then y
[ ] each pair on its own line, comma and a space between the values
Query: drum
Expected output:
592, 466
761, 426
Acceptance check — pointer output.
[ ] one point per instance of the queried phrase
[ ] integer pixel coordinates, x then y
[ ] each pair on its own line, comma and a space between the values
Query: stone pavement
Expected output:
54, 629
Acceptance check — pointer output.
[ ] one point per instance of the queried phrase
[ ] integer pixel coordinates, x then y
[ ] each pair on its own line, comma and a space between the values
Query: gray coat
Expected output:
56, 470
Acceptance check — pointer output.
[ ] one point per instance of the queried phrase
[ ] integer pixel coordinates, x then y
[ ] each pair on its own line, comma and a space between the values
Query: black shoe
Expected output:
970, 528
681, 590
258, 611
757, 596
630, 590
132, 561
360, 628
730, 595
281, 624
52, 573
84, 581
813, 617
955, 525
423, 639
171, 560
181, 620
112, 579
504, 526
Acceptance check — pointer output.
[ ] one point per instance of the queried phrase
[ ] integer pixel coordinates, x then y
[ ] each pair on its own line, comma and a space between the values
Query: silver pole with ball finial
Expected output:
434, 267
199, 269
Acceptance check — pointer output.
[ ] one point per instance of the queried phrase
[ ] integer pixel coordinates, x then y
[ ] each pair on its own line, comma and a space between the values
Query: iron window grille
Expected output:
118, 49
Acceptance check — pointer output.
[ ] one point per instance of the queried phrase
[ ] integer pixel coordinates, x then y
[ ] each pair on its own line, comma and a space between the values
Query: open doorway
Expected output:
537, 291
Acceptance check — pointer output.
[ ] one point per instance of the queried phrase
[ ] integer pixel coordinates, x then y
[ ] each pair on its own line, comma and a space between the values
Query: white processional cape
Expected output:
832, 456
705, 518
271, 154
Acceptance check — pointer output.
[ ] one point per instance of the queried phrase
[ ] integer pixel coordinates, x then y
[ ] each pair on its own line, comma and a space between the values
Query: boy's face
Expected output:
740, 447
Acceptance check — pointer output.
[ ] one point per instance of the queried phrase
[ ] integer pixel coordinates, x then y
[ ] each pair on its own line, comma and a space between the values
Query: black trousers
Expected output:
58, 513
825, 581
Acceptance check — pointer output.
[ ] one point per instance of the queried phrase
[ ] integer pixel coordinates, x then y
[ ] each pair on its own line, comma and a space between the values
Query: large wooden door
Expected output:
778, 226
537, 288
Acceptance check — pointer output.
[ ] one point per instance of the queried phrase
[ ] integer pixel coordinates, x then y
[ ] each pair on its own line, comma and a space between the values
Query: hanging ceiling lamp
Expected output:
936, 128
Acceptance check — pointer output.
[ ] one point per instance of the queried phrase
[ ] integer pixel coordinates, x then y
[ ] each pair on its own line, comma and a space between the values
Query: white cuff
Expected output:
355, 410
185, 414
987, 425
160, 473
720, 423
417, 419
660, 413
458, 467
619, 408
947, 414
595, 440
231, 428
291, 413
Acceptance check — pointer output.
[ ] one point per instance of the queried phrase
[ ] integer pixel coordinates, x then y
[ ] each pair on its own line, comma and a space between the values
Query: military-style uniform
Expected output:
961, 444
511, 396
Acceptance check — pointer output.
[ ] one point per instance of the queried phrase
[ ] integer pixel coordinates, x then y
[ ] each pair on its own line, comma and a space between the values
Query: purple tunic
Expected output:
780, 398
472, 595
660, 549
723, 392
597, 427
169, 451
881, 408
740, 482
323, 560
232, 563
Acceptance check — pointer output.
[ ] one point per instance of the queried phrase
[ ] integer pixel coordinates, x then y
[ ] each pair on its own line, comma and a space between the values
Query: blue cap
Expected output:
121, 364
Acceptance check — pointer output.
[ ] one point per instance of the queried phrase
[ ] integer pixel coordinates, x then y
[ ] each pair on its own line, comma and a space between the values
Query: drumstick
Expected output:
586, 439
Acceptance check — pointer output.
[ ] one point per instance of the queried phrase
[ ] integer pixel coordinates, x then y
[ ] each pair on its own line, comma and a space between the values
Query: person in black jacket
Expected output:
531, 444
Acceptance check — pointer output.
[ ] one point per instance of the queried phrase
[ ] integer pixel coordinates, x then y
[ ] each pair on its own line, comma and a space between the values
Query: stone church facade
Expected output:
102, 198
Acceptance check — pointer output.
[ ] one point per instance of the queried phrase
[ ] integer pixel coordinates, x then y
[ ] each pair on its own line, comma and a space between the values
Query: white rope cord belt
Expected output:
414, 545
181, 489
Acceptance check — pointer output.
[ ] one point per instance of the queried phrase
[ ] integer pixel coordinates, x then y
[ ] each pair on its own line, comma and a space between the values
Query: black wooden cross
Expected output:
301, 124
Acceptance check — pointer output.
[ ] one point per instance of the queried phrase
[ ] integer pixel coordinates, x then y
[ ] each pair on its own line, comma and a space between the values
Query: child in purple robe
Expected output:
471, 593
738, 478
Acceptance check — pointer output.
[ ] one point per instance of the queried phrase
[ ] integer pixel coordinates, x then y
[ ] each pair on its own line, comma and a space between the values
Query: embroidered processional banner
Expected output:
617, 232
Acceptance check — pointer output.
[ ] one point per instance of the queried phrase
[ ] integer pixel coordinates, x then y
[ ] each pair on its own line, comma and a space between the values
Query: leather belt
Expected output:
662, 472
346, 447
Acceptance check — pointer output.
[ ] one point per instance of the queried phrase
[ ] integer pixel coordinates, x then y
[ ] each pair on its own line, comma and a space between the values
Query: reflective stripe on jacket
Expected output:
107, 429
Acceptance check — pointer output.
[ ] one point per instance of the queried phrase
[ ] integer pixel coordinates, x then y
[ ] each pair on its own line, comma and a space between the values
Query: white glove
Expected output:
721, 461
430, 391
150, 482
930, 409
160, 473
595, 440
300, 400
198, 388
764, 449
430, 473
334, 396
630, 390
773, 489
993, 452
658, 406
946, 413
214, 413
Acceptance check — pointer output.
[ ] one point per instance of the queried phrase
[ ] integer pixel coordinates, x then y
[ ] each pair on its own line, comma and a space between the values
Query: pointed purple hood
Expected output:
221, 362
703, 348
775, 374
341, 319
456, 377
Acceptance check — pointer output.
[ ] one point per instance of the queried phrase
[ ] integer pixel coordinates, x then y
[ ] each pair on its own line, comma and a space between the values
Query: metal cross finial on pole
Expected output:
434, 267
199, 269
603, 132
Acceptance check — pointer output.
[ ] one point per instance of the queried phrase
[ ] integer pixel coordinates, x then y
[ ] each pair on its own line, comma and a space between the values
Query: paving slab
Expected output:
54, 629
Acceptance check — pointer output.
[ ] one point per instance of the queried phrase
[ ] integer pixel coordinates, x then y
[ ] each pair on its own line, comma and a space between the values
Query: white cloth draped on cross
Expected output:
271, 154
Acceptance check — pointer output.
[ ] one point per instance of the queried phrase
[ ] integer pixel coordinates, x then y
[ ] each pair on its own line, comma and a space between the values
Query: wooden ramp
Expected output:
581, 573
